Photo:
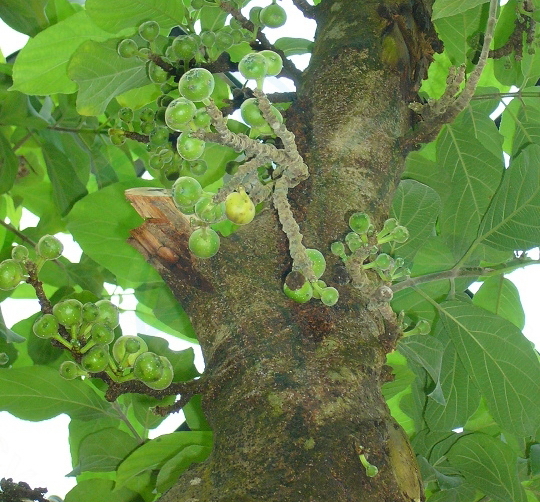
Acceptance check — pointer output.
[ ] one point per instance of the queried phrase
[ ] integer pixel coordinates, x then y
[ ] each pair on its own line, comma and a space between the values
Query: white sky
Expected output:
47, 464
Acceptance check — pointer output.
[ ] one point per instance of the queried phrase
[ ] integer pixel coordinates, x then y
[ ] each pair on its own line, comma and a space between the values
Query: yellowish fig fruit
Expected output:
239, 208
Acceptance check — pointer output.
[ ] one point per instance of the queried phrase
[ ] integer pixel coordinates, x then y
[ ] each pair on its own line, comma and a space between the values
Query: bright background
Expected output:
38, 452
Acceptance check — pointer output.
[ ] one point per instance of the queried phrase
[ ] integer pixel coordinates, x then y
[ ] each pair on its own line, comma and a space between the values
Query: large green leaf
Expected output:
171, 470
445, 8
501, 361
39, 392
41, 66
152, 455
511, 221
9, 164
100, 223
415, 206
102, 490
158, 303
103, 450
500, 296
66, 185
26, 17
474, 174
102, 74
115, 15
426, 351
457, 29
460, 393
488, 464
291, 46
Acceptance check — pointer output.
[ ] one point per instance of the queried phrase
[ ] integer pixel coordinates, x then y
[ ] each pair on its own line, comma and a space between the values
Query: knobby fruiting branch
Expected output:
436, 113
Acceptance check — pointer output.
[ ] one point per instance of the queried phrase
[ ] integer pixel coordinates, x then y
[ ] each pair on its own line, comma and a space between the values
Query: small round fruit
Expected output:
11, 274
156, 74
204, 242
19, 253
160, 136
239, 208
208, 38
49, 247
96, 359
359, 223
274, 61
127, 348
69, 370
317, 260
125, 114
186, 191
224, 40
46, 326
254, 15
207, 211
383, 261
147, 115
273, 16
188, 147
198, 167
68, 312
251, 114
196, 84
178, 113
127, 48
166, 377
400, 234
90, 312
201, 119
101, 334
148, 367
253, 66
185, 47
329, 296
302, 295
149, 30
108, 313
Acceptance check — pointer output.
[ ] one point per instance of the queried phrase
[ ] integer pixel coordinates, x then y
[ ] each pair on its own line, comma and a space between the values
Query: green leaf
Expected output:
461, 394
426, 351
501, 361
500, 296
104, 490
39, 392
195, 416
416, 206
142, 408
7, 334
153, 454
9, 164
115, 15
291, 46
534, 459
102, 74
474, 174
161, 304
100, 223
488, 464
41, 66
445, 8
171, 470
67, 188
511, 220
212, 18
103, 451
26, 17
458, 28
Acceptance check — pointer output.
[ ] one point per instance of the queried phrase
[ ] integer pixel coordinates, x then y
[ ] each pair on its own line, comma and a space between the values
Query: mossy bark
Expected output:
295, 397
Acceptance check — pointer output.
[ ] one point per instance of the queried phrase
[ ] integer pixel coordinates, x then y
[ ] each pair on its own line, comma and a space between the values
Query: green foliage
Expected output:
462, 365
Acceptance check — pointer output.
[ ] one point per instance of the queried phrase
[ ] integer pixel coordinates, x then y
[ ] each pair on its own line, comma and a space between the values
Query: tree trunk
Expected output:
295, 398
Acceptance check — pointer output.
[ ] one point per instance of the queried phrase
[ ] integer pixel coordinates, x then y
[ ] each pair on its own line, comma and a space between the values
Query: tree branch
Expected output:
18, 233
305, 8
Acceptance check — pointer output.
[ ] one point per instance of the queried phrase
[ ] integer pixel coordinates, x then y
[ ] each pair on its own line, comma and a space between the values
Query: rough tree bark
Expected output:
295, 394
